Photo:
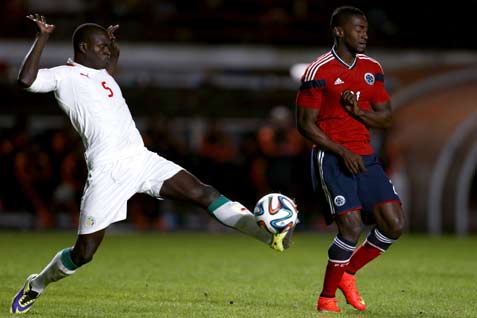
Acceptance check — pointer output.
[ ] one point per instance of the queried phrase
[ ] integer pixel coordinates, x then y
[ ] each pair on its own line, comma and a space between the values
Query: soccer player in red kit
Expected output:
341, 96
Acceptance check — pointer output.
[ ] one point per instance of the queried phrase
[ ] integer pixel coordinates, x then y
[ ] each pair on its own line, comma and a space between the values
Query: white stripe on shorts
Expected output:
321, 155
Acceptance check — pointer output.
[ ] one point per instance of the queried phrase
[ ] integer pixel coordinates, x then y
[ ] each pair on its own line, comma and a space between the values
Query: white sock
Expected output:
59, 267
235, 215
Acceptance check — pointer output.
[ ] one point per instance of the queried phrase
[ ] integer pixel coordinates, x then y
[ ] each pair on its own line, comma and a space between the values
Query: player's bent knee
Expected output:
395, 230
394, 227
392, 230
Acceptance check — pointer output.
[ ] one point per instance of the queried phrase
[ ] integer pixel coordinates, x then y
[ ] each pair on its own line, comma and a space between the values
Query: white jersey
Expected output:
95, 105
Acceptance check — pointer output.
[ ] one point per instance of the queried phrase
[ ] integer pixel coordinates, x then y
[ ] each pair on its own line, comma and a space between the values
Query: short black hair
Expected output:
342, 14
83, 31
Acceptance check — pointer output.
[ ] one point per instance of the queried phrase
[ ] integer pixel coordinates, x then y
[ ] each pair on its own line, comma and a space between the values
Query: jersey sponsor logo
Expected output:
339, 200
369, 78
339, 81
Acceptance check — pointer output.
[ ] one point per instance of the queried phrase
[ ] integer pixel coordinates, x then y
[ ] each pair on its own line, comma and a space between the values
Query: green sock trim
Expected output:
66, 259
217, 203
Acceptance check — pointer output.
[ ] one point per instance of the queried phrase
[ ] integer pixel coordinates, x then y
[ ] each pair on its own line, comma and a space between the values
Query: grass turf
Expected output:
230, 275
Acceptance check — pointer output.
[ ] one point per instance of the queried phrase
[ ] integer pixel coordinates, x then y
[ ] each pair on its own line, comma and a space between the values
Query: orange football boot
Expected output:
326, 304
348, 287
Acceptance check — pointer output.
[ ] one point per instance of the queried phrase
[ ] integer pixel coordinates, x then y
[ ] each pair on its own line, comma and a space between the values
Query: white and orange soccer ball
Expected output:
276, 213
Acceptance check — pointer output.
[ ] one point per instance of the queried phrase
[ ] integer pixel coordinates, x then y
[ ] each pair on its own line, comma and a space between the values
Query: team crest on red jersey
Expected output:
369, 78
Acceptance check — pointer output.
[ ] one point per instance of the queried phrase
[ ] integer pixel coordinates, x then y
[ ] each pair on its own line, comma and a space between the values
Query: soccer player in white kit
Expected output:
118, 163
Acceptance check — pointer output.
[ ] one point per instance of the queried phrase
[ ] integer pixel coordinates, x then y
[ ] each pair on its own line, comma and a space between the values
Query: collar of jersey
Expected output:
348, 66
88, 69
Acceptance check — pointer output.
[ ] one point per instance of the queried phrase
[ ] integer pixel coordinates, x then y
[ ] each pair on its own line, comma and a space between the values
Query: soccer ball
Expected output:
276, 213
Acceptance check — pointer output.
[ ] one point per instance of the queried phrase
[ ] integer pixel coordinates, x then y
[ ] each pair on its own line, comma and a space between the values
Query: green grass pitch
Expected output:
231, 275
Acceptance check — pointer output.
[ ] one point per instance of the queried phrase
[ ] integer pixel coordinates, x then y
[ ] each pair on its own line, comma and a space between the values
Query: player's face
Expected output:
98, 52
356, 34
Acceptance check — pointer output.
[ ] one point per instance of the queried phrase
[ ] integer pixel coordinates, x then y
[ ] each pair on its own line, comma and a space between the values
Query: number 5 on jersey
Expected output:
108, 89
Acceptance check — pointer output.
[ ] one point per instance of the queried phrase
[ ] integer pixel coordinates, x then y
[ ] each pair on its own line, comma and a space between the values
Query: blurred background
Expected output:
212, 86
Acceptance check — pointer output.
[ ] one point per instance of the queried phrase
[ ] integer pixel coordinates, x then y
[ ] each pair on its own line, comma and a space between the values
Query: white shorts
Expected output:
110, 186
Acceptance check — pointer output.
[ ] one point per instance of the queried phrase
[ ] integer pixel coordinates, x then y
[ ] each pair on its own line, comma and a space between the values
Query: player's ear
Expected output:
83, 47
338, 31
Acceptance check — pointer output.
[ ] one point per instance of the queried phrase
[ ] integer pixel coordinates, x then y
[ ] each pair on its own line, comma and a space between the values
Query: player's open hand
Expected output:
350, 103
41, 24
111, 29
114, 45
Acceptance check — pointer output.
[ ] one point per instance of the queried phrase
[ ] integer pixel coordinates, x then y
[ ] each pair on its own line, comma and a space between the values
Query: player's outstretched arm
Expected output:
29, 66
114, 48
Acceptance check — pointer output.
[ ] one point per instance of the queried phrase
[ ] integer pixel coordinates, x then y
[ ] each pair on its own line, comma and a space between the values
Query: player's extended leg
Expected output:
390, 221
186, 187
63, 264
339, 255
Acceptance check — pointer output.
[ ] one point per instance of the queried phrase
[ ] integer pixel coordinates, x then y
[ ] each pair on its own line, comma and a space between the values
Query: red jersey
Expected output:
321, 86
